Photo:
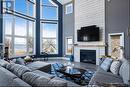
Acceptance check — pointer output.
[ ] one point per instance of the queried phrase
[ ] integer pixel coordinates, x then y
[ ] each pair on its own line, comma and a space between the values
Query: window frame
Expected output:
13, 36
41, 38
67, 6
28, 19
49, 21
66, 45
54, 6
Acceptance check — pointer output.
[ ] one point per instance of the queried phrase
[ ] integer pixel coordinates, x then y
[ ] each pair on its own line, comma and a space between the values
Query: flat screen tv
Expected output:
88, 34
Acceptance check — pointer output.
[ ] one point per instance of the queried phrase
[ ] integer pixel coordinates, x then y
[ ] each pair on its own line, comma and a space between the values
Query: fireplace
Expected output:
88, 56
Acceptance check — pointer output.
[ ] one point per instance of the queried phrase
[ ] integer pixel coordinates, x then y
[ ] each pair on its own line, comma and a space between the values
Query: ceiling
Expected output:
64, 1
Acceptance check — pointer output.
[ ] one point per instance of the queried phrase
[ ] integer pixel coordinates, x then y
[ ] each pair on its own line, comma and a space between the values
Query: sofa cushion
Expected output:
106, 64
42, 81
115, 67
104, 78
125, 71
100, 70
98, 84
57, 83
38, 65
17, 82
40, 73
30, 77
6, 77
69, 83
18, 69
36, 80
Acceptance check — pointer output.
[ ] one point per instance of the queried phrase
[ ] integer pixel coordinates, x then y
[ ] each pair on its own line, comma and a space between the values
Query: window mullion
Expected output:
27, 37
13, 34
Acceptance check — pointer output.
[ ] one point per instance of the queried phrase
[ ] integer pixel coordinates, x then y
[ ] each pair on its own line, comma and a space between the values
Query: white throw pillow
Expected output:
115, 67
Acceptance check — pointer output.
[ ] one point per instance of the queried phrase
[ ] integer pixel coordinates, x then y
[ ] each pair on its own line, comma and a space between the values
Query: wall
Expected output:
117, 20
68, 26
1, 24
90, 12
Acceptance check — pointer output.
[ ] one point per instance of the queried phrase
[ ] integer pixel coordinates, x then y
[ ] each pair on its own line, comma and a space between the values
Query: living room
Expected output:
65, 43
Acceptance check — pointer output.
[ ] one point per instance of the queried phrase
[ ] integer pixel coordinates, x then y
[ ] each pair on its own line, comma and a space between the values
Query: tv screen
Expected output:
88, 33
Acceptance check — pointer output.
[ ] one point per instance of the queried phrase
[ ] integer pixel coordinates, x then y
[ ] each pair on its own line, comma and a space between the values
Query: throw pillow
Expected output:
13, 61
57, 83
3, 63
20, 61
115, 66
28, 59
101, 60
106, 64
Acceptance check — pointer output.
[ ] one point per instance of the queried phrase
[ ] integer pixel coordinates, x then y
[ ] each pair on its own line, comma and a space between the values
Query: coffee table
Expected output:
75, 74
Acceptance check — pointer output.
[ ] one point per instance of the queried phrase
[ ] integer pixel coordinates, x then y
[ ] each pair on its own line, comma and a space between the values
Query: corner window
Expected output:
69, 8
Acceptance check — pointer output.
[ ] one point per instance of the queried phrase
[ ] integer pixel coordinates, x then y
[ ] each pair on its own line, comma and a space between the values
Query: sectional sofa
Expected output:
35, 76
122, 79
15, 75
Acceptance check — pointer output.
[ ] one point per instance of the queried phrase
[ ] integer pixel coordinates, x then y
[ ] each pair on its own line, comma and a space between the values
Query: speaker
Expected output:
6, 55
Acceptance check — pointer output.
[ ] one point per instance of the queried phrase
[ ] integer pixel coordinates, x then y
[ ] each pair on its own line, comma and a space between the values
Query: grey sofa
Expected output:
38, 65
33, 65
7, 79
29, 78
102, 77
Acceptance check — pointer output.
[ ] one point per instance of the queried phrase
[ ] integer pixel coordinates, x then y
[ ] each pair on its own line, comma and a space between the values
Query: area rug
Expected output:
87, 75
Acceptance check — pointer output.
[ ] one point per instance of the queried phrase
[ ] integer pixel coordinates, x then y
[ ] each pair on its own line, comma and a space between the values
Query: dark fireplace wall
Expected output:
88, 56
118, 21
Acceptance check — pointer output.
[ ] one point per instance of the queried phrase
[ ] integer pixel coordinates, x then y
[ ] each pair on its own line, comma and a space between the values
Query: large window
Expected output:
69, 45
49, 27
26, 7
19, 27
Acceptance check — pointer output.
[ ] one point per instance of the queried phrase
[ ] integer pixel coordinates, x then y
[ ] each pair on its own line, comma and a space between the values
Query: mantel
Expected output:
77, 45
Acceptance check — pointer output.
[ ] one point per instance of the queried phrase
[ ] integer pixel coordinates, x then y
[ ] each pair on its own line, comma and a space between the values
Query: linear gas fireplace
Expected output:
88, 56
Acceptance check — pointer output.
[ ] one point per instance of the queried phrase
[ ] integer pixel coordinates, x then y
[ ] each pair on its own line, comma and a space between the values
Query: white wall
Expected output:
90, 12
